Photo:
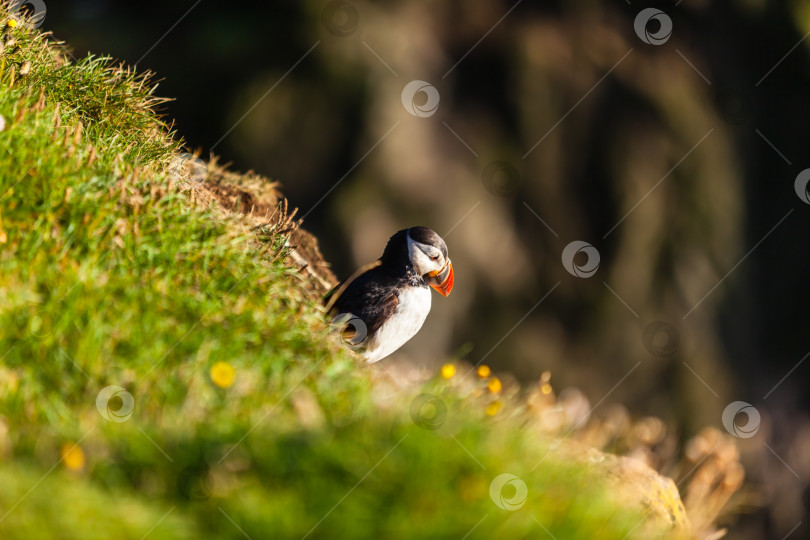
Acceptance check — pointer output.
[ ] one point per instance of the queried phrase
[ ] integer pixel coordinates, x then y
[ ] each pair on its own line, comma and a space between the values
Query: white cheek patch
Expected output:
421, 262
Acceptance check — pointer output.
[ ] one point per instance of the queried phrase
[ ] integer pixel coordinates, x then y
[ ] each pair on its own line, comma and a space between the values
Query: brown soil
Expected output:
259, 203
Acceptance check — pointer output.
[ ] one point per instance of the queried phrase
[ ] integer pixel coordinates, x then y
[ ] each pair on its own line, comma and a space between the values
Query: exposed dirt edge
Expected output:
257, 202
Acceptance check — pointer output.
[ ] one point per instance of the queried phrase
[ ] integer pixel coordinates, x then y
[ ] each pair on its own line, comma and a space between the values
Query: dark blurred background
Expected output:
676, 158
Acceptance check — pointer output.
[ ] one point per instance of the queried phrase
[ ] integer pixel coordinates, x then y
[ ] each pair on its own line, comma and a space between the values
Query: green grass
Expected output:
111, 275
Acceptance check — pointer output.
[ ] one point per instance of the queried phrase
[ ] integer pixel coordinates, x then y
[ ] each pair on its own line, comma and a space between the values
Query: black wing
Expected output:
372, 297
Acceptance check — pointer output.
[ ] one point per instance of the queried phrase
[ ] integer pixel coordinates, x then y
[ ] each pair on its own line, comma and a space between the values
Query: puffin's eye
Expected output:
434, 258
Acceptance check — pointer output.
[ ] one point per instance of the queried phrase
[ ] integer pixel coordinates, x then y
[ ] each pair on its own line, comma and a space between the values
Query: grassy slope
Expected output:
109, 275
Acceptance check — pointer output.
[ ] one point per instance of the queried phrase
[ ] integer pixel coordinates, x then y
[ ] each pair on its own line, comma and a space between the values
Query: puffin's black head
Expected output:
424, 251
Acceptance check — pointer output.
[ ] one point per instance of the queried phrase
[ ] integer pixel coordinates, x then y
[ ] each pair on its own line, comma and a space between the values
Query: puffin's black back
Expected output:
395, 254
371, 296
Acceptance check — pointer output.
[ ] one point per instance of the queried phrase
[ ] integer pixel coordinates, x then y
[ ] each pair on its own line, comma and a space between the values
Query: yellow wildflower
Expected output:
223, 374
493, 408
495, 385
448, 370
484, 371
73, 456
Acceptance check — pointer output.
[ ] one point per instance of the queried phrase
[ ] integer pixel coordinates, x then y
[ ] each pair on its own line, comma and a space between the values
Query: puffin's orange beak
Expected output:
442, 280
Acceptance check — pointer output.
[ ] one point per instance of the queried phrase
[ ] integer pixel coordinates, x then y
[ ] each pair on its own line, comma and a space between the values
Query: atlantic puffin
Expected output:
384, 304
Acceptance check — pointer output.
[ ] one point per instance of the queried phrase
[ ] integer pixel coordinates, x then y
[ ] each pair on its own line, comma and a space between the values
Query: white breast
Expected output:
412, 310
